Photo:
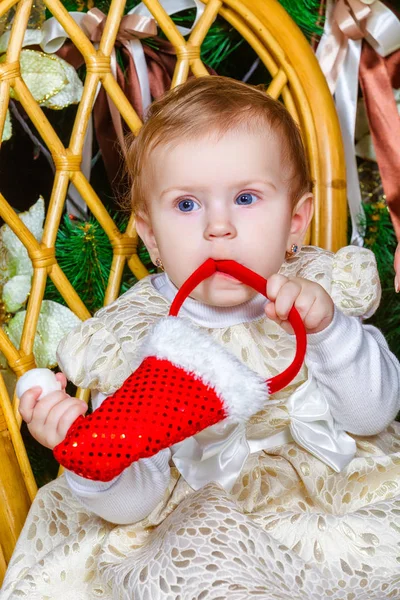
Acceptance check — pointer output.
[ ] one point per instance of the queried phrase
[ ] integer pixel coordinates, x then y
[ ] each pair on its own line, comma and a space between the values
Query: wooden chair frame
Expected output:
296, 78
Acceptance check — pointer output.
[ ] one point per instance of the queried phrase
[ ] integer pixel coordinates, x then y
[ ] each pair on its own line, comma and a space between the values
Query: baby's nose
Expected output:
220, 228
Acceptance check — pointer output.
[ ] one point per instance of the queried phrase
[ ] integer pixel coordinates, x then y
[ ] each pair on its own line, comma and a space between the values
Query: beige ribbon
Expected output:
347, 23
132, 26
355, 20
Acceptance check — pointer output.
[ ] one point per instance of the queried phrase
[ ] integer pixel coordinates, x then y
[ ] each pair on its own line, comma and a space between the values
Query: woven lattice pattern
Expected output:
295, 78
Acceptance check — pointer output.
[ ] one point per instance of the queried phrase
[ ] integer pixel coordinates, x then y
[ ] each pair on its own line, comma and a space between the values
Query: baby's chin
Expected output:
223, 298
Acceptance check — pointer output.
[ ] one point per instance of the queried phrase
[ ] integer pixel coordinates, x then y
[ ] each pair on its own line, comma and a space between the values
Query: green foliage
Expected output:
306, 14
84, 253
381, 239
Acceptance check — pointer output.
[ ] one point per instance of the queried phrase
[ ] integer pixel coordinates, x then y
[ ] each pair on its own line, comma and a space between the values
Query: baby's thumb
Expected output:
62, 379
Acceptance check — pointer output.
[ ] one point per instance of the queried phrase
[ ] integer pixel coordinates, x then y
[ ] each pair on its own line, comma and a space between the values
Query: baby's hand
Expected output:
50, 417
313, 303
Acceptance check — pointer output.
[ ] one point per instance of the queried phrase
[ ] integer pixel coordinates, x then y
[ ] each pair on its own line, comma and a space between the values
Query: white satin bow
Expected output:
219, 452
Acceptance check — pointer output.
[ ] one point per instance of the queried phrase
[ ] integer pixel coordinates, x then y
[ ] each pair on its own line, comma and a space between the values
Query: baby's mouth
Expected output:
217, 268
226, 276
223, 275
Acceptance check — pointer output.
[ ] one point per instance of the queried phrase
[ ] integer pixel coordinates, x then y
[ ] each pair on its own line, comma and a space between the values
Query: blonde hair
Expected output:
214, 104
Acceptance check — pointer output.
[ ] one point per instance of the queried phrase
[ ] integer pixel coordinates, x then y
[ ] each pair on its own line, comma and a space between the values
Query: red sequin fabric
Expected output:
157, 406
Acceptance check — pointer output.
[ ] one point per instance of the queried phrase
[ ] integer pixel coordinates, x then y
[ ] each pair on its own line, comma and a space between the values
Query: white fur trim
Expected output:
242, 391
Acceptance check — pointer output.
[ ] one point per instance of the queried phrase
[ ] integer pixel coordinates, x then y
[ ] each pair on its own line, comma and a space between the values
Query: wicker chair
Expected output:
296, 78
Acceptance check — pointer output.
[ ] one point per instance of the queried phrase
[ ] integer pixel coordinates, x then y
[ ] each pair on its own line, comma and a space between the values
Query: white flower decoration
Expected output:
15, 265
16, 270
55, 321
53, 82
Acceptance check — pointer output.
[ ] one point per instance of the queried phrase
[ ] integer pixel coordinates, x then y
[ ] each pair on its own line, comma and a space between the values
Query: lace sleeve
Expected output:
92, 357
102, 352
350, 276
355, 288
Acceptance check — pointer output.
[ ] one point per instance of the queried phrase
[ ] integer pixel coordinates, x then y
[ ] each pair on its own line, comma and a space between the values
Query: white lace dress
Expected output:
290, 528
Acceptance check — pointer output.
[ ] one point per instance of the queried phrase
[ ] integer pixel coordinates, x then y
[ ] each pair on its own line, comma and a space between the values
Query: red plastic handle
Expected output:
258, 283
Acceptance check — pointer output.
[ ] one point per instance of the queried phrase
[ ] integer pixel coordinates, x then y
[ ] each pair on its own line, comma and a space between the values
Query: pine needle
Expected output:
84, 253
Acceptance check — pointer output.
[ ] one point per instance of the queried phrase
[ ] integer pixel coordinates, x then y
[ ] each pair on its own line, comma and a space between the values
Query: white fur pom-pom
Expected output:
43, 378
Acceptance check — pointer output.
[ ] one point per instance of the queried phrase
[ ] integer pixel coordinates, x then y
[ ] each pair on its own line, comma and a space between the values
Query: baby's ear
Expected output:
301, 218
145, 232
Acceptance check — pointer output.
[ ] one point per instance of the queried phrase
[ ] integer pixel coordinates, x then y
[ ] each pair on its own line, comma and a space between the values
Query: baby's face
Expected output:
223, 198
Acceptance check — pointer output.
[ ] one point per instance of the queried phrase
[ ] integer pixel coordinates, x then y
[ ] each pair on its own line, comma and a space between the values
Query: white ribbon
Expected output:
383, 33
216, 454
346, 105
171, 7
219, 452
312, 427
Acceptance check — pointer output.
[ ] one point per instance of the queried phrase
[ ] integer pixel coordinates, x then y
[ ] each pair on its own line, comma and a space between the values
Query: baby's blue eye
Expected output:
188, 205
246, 199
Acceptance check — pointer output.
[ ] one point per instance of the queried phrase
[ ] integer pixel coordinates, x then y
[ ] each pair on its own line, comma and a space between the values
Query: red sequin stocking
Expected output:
157, 406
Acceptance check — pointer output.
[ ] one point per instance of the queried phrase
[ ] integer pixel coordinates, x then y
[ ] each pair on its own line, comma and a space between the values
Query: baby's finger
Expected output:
62, 379
51, 433
286, 298
397, 268
27, 403
69, 417
57, 411
274, 284
318, 317
271, 314
304, 301
45, 405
